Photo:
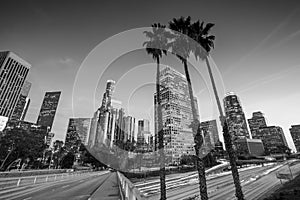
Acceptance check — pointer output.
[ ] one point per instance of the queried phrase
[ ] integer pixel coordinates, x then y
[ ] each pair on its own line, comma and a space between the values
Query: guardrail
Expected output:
128, 190
7, 183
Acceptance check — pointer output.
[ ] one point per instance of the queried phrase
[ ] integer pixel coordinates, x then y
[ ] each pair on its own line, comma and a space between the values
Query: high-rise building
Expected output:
295, 133
247, 146
13, 73
78, 132
210, 130
144, 137
256, 122
23, 103
129, 128
272, 137
103, 125
176, 115
235, 116
48, 109
93, 129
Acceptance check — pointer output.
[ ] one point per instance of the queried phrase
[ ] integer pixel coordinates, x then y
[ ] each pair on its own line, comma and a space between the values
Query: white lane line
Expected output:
65, 186
27, 198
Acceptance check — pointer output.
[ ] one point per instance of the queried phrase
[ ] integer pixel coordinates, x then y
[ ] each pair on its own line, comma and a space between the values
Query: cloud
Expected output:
67, 62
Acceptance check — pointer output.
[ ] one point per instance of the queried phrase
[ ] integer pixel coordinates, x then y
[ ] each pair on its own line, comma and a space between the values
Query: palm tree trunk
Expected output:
227, 138
162, 173
214, 88
197, 137
232, 159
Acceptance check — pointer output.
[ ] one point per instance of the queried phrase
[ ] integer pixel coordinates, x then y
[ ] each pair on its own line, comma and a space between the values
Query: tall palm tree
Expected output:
181, 47
157, 46
200, 34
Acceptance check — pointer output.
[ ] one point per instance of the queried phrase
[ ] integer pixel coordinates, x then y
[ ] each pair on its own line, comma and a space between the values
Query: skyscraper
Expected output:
256, 122
93, 129
104, 112
235, 116
48, 109
210, 129
129, 126
23, 103
78, 132
295, 133
13, 73
177, 115
272, 137
144, 135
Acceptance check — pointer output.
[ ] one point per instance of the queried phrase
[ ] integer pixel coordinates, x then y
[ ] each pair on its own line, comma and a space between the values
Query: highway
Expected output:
255, 182
89, 186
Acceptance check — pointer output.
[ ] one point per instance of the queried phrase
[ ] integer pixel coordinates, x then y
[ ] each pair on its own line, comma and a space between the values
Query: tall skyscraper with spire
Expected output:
235, 116
13, 73
104, 111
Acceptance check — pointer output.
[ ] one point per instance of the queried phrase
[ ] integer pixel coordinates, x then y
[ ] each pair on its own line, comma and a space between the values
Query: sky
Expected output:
256, 54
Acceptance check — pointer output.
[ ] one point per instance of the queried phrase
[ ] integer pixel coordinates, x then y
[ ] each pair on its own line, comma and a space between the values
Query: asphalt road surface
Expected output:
88, 187
255, 183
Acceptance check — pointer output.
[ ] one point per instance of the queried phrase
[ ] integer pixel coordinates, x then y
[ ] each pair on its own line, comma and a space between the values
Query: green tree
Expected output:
200, 34
181, 46
157, 46
26, 145
59, 152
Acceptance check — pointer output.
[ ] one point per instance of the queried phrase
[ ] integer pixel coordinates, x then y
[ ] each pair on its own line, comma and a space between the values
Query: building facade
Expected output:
23, 103
295, 133
13, 73
176, 116
252, 147
235, 117
104, 112
144, 137
256, 122
48, 109
210, 131
78, 133
273, 139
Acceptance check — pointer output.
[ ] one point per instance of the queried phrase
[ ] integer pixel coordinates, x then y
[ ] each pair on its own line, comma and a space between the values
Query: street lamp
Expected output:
10, 150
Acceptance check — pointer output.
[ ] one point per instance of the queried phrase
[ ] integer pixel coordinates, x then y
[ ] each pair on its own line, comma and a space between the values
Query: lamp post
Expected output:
10, 150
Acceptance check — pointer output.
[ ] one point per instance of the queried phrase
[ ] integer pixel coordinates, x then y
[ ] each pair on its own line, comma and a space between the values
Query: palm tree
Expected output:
200, 34
181, 47
157, 46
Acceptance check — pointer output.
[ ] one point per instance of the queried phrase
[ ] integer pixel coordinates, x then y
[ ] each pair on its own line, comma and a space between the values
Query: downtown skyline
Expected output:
256, 53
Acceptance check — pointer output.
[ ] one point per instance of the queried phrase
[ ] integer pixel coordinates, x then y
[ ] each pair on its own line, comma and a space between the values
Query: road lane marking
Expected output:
65, 186
27, 198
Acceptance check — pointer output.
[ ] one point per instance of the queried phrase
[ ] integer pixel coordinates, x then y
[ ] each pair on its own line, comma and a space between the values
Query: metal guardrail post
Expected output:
19, 181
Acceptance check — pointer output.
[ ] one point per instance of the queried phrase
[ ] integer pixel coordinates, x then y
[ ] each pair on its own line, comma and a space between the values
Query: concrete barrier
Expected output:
128, 190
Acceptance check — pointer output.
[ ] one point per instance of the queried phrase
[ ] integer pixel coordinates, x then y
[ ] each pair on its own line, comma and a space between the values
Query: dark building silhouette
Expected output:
48, 109
273, 139
210, 130
13, 73
295, 133
247, 146
256, 122
77, 133
23, 103
235, 116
